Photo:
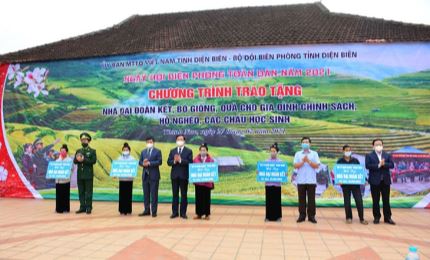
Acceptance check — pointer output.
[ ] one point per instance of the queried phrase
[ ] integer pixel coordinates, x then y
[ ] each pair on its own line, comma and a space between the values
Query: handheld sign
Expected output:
203, 172
349, 174
272, 171
59, 170
124, 168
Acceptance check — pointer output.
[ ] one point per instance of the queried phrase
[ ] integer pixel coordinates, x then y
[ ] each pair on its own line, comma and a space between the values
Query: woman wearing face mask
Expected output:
203, 189
125, 185
62, 186
273, 191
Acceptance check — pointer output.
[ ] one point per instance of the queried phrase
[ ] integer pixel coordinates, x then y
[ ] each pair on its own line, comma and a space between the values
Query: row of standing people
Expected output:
306, 162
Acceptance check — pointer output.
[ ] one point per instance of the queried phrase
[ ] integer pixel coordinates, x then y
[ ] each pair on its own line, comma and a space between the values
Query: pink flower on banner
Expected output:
14, 72
36, 81
3, 173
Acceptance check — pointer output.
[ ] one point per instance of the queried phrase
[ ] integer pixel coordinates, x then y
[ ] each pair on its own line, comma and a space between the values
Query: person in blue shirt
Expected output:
306, 163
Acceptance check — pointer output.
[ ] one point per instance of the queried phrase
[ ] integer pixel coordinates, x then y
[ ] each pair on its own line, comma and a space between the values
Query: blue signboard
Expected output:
59, 170
124, 168
272, 171
203, 172
349, 174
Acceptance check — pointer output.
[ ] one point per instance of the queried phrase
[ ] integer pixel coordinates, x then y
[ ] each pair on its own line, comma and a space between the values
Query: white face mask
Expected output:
273, 154
180, 143
379, 148
203, 154
347, 154
126, 153
149, 145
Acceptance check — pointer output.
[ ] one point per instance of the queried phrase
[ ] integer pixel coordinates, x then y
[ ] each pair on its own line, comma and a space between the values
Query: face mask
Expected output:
347, 154
273, 154
203, 154
149, 145
125, 153
379, 148
305, 146
180, 143
63, 154
84, 145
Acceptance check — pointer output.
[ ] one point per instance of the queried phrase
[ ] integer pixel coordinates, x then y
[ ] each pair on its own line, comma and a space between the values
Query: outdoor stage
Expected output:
29, 229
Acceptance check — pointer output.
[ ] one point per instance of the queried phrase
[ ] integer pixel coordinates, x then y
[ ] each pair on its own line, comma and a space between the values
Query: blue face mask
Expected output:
305, 146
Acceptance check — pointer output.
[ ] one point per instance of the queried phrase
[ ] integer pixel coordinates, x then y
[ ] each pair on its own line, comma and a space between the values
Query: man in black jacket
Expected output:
179, 158
354, 189
379, 164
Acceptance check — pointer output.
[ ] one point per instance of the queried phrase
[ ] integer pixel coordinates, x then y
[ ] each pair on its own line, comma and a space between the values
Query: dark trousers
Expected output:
62, 197
273, 203
377, 191
203, 200
125, 197
85, 189
356, 192
309, 191
183, 186
150, 195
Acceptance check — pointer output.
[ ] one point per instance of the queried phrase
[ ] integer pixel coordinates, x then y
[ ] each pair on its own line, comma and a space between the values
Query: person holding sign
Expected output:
125, 184
379, 164
306, 162
62, 186
150, 160
203, 189
85, 158
273, 191
347, 189
179, 159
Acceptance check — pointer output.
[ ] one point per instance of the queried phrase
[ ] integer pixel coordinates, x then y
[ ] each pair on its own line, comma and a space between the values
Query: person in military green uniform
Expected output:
85, 158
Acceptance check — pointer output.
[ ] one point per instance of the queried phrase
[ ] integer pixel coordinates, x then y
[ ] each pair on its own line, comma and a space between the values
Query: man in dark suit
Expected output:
379, 164
179, 158
150, 160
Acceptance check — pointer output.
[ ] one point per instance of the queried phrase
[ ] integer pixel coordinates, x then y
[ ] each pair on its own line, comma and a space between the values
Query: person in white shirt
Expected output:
125, 185
306, 162
62, 186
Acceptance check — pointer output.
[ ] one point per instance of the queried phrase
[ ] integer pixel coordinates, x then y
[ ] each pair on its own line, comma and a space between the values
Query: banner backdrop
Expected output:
238, 100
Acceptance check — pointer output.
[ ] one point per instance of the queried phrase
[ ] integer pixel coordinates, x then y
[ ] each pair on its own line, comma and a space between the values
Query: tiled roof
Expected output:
235, 27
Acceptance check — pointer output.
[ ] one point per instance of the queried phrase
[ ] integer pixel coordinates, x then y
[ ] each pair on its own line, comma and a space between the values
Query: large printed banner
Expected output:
239, 101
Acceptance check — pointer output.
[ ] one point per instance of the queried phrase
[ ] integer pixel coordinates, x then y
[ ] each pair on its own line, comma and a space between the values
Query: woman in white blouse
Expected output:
125, 185
62, 186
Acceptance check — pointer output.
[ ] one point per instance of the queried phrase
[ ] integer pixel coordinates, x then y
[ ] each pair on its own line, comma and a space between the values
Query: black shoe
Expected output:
376, 221
390, 221
313, 220
364, 222
80, 211
154, 215
174, 216
301, 219
88, 211
144, 214
184, 216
